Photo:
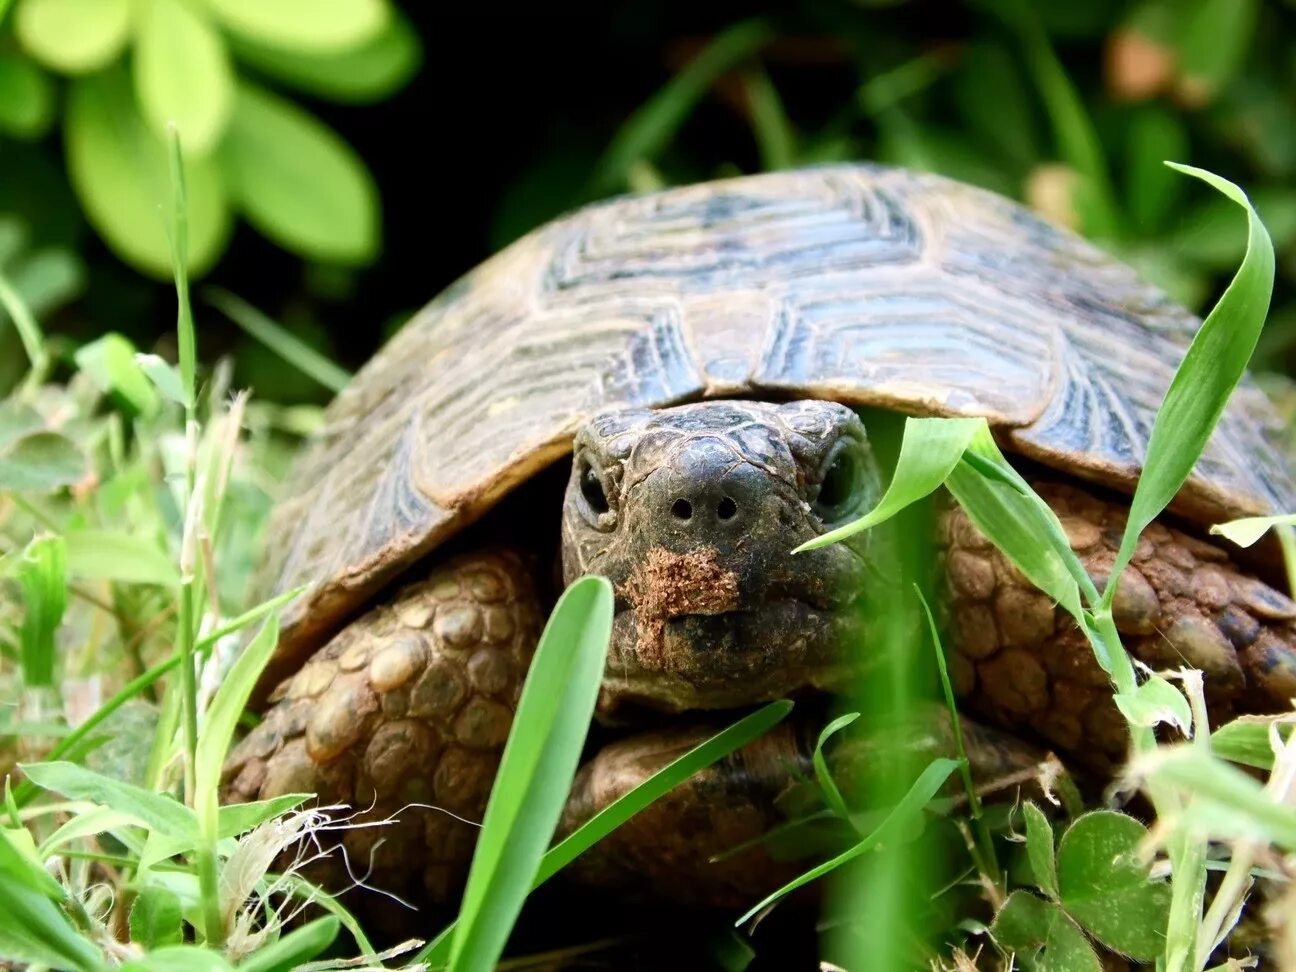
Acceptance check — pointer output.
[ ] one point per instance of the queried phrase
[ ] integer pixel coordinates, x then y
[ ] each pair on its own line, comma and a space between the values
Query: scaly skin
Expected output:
691, 512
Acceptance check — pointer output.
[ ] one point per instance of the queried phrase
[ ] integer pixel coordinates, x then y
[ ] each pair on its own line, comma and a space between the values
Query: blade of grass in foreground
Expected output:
278, 339
612, 816
1206, 377
536, 771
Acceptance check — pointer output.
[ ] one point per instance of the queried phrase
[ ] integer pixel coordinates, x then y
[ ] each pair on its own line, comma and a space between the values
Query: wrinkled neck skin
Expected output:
692, 513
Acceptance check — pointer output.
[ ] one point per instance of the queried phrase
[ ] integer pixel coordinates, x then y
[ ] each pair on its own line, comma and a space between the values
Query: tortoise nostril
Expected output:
727, 509
682, 509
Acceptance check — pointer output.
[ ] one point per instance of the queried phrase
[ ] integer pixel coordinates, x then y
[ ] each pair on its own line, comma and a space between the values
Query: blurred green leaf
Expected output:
26, 98
119, 556
536, 770
182, 74
1248, 739
1210, 234
33, 930
155, 918
110, 363
774, 134
42, 572
21, 862
1103, 884
304, 25
1041, 932
294, 949
119, 170
362, 74
41, 463
655, 122
279, 339
17, 420
73, 36
993, 97
1156, 135
179, 958
165, 378
298, 182
1213, 37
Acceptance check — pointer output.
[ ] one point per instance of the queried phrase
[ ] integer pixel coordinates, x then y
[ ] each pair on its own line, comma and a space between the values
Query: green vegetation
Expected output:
132, 490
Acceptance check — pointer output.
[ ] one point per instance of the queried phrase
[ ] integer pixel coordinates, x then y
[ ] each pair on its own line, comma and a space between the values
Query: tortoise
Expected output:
667, 389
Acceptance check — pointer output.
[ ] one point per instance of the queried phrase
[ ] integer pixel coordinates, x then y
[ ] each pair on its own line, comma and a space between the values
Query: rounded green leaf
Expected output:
73, 36
297, 182
41, 463
1105, 887
358, 75
26, 98
1042, 932
304, 25
182, 75
118, 168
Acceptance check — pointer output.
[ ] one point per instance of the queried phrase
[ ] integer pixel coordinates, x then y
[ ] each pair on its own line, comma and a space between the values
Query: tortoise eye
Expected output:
591, 488
839, 491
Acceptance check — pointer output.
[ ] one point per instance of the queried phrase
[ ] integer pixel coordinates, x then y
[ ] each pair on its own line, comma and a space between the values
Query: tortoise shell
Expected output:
864, 284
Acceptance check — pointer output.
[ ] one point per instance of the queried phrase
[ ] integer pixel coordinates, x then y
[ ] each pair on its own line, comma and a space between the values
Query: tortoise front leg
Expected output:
681, 847
403, 716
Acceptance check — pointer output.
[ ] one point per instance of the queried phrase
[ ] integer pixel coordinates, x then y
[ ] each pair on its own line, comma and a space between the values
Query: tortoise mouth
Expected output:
728, 659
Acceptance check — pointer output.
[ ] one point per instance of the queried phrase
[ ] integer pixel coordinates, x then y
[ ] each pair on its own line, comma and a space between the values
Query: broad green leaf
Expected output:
1225, 802
99, 820
222, 718
1041, 932
294, 949
930, 450
1004, 507
653, 125
238, 818
361, 74
1249, 529
26, 98
34, 931
165, 378
827, 785
1249, 740
17, 420
21, 862
1154, 702
895, 823
1039, 849
155, 918
41, 463
110, 364
73, 36
304, 25
298, 182
125, 557
180, 958
42, 573
182, 74
536, 770
1104, 886
156, 810
118, 168
279, 339
1210, 370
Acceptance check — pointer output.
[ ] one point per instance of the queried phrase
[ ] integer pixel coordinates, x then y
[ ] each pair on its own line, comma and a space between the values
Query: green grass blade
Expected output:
29, 332
42, 574
616, 813
293, 949
1210, 370
769, 121
931, 448
536, 771
918, 796
159, 811
34, 931
278, 339
186, 340
653, 125
831, 794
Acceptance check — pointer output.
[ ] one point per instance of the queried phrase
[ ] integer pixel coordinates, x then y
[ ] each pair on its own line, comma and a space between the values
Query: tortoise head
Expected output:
692, 513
